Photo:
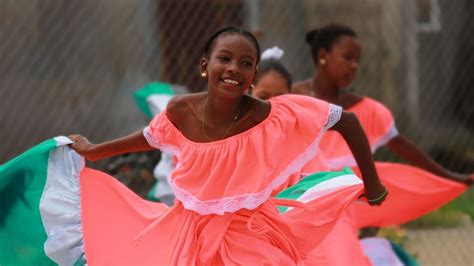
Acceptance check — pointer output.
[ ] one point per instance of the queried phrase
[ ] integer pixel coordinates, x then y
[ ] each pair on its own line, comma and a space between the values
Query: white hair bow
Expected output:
272, 53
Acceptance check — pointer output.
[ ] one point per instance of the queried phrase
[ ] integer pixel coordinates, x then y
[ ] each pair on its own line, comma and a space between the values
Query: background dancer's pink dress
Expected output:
225, 213
413, 191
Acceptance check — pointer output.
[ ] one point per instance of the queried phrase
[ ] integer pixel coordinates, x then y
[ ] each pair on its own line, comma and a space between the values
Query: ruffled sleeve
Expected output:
159, 134
322, 115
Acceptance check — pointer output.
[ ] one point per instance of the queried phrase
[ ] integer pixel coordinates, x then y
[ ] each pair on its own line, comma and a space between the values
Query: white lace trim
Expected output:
248, 201
152, 141
150, 138
60, 206
334, 115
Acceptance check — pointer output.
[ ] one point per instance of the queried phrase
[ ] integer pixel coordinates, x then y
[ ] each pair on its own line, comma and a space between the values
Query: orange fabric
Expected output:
375, 119
113, 216
208, 176
378, 124
293, 124
121, 229
340, 247
412, 193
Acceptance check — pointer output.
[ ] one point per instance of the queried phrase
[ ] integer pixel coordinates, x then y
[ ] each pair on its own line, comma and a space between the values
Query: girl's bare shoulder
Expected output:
181, 106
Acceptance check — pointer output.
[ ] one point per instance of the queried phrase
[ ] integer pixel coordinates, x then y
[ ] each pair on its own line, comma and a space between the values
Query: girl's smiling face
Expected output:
231, 65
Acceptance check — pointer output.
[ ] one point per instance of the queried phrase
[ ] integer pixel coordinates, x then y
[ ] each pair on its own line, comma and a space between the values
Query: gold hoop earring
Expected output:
203, 74
322, 61
252, 86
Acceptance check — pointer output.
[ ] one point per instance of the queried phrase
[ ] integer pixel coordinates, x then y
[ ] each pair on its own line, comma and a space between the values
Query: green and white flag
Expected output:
24, 183
318, 185
153, 98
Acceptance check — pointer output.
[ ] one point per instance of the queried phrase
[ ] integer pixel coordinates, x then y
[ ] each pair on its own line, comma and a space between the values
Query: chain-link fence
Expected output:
71, 66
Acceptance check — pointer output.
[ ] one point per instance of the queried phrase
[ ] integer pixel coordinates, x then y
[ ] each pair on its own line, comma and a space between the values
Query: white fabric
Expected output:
162, 190
380, 252
272, 53
328, 186
62, 140
161, 173
150, 138
60, 205
335, 113
158, 102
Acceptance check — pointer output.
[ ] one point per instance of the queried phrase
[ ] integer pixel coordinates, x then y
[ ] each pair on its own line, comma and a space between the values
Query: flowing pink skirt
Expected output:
119, 228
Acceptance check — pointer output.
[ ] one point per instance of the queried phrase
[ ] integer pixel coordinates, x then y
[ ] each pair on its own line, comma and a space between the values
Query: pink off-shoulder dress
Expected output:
225, 211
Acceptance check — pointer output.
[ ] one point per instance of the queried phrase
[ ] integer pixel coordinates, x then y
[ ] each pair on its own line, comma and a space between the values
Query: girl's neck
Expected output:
221, 110
325, 89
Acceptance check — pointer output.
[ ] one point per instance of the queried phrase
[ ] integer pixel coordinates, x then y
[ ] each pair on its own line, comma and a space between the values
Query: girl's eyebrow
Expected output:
249, 57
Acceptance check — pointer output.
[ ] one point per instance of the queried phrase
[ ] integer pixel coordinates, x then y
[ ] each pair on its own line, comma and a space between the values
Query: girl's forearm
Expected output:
410, 152
132, 143
351, 130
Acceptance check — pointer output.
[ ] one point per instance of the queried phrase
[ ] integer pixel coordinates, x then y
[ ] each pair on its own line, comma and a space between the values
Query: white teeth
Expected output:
231, 81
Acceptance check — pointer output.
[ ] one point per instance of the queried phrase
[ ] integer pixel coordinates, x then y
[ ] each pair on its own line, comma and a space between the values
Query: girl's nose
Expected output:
233, 68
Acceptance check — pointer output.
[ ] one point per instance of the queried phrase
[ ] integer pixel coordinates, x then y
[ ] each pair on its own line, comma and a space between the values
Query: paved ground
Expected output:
443, 246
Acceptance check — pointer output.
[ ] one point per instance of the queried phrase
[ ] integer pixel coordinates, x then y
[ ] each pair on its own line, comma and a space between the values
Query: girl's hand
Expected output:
81, 145
376, 195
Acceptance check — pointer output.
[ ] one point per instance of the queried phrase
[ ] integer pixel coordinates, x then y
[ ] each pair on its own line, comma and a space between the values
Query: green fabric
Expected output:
406, 258
295, 191
152, 192
22, 180
151, 88
80, 262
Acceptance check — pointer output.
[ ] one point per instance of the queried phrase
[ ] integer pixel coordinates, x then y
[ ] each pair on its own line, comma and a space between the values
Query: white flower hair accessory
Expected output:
272, 53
